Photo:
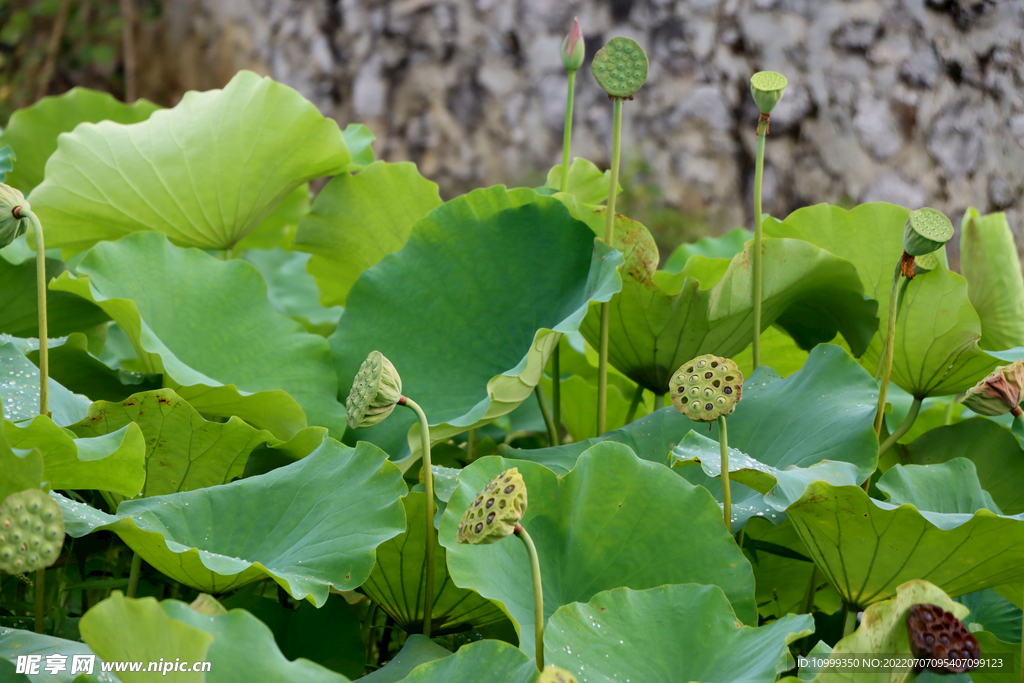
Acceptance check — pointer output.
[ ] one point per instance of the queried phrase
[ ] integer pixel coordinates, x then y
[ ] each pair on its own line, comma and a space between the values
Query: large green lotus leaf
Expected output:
883, 631
632, 238
309, 526
243, 648
867, 547
329, 635
277, 230
204, 173
469, 309
993, 613
19, 471
32, 132
19, 390
112, 462
657, 326
359, 219
579, 398
782, 571
418, 649
292, 291
15, 643
951, 487
76, 368
786, 355
989, 262
781, 487
6, 162
586, 181
1009, 651
232, 354
358, 139
937, 333
725, 246
995, 452
398, 582
19, 309
491, 660
668, 634
182, 451
124, 629
595, 529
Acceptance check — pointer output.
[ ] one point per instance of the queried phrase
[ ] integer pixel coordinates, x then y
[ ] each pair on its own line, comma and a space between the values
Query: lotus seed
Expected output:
490, 518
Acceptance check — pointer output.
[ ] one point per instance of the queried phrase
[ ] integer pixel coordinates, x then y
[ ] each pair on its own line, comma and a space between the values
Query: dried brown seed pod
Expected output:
936, 634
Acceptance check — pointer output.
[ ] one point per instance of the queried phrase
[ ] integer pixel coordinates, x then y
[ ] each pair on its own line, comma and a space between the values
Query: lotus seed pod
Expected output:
12, 208
31, 532
999, 393
767, 87
554, 674
925, 231
706, 388
573, 50
620, 67
495, 511
375, 392
925, 263
934, 634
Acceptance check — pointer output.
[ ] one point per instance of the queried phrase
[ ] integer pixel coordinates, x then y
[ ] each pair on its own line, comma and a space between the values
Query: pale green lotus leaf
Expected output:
725, 246
204, 173
15, 642
586, 181
19, 390
989, 262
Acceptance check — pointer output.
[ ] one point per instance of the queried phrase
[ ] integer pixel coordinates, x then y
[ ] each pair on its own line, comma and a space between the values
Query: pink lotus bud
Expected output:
572, 47
999, 393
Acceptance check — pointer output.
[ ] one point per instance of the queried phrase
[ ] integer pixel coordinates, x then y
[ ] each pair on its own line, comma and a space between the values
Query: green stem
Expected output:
888, 352
664, 400
609, 238
908, 422
546, 414
849, 619
40, 599
567, 135
762, 131
538, 595
638, 396
428, 483
44, 356
808, 604
556, 389
133, 575
947, 415
471, 445
723, 446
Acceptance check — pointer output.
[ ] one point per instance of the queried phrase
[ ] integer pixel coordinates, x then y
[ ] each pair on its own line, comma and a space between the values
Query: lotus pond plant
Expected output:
206, 461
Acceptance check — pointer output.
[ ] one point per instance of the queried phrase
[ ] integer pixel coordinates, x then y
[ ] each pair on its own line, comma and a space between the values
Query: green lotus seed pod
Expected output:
999, 393
573, 50
31, 532
554, 674
925, 231
620, 67
375, 392
706, 388
495, 511
767, 87
925, 263
12, 207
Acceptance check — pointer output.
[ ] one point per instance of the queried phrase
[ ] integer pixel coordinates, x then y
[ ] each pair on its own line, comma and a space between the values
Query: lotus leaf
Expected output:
726, 246
112, 462
292, 291
356, 221
19, 310
501, 661
613, 491
15, 643
19, 390
32, 132
706, 308
6, 162
867, 548
431, 308
183, 451
233, 355
77, 369
417, 650
989, 262
309, 526
993, 613
18, 471
204, 173
397, 583
587, 183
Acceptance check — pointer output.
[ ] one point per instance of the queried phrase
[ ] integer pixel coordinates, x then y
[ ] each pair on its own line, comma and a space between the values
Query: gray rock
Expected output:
955, 138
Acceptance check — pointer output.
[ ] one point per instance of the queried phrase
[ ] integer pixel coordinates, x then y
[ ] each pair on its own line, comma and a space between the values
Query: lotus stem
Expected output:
849, 619
947, 415
908, 422
44, 356
428, 484
471, 445
808, 604
723, 445
40, 599
133, 575
762, 132
567, 135
609, 238
890, 342
546, 414
538, 595
638, 396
